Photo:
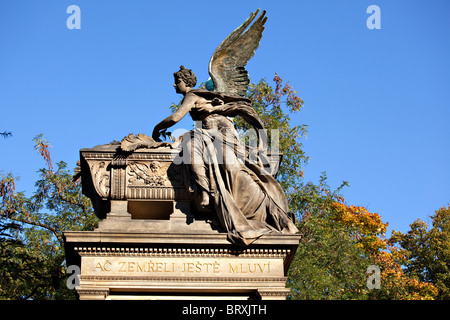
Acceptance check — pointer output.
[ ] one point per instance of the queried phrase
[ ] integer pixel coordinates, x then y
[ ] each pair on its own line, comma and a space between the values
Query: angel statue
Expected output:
247, 200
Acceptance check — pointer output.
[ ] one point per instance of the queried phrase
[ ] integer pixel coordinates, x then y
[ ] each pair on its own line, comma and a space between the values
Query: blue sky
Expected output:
377, 102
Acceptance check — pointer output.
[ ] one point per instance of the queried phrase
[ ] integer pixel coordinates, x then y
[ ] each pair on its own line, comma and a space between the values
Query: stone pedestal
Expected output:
153, 244
172, 260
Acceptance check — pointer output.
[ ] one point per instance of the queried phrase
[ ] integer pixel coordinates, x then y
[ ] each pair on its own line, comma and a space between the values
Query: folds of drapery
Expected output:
247, 199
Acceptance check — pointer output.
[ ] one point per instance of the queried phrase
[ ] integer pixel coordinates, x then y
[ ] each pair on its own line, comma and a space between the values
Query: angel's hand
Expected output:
156, 134
166, 135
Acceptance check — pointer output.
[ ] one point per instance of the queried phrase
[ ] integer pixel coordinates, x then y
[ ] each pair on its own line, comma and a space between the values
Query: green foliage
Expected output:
427, 251
328, 264
275, 106
32, 261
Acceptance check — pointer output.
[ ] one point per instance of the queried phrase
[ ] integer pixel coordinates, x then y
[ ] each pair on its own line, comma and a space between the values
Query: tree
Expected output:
368, 231
274, 106
397, 284
426, 251
328, 264
339, 241
32, 261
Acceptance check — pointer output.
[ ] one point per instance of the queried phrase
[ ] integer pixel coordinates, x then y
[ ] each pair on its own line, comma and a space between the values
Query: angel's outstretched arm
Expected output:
186, 105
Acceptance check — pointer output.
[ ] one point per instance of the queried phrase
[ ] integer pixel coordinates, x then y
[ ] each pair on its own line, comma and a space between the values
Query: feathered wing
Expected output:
227, 64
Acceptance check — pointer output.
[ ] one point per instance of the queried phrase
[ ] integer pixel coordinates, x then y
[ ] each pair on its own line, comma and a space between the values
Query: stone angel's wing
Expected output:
227, 64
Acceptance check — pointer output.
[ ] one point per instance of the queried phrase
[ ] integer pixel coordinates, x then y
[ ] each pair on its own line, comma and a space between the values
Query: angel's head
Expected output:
184, 78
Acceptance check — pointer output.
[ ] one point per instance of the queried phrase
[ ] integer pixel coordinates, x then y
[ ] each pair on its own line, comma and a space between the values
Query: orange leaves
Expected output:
7, 186
425, 251
365, 227
42, 145
368, 231
396, 284
359, 218
293, 101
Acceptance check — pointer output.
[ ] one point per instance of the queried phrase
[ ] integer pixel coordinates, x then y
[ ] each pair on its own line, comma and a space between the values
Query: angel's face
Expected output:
180, 86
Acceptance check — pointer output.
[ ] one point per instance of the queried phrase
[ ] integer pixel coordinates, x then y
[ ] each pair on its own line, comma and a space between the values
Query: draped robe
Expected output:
247, 199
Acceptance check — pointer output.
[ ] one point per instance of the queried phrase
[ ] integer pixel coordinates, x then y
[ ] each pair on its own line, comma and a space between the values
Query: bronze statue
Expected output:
244, 196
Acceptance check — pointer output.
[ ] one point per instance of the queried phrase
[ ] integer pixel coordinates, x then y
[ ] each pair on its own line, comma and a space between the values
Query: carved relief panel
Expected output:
140, 176
101, 173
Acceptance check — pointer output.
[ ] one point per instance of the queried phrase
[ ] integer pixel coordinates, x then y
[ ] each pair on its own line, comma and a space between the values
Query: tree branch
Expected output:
38, 224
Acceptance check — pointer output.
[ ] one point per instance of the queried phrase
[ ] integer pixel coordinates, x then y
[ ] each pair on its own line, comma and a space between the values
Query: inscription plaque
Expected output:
181, 267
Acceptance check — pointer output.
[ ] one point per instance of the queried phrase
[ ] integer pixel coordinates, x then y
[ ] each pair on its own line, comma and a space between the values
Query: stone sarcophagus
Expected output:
150, 183
145, 179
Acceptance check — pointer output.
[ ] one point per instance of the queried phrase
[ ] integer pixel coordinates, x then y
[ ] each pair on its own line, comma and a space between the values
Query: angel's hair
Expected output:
186, 75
